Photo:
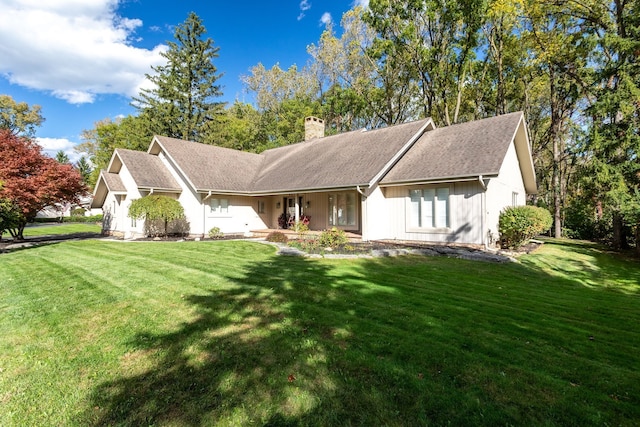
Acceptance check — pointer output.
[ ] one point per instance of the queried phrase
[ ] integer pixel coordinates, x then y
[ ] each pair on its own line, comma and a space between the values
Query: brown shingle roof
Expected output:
147, 171
208, 167
344, 160
462, 150
113, 182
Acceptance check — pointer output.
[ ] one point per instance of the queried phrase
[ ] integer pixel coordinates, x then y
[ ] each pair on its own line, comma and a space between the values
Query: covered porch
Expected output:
318, 210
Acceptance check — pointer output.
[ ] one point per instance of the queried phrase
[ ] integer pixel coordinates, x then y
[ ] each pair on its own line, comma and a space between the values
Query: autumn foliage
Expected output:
32, 181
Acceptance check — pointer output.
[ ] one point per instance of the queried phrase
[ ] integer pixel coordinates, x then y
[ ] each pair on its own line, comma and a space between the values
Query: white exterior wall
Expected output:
117, 208
500, 190
242, 215
376, 221
465, 215
190, 201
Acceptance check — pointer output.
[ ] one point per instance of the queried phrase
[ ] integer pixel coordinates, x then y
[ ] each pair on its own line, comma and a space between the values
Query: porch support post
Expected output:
297, 208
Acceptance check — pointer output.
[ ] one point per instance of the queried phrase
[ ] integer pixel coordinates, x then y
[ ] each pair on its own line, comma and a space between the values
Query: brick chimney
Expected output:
313, 128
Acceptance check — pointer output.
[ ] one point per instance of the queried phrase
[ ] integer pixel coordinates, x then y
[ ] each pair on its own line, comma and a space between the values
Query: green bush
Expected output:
78, 212
517, 224
93, 218
276, 236
333, 238
215, 233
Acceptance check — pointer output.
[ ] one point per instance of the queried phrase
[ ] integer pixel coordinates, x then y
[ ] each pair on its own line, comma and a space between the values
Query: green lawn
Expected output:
227, 333
65, 228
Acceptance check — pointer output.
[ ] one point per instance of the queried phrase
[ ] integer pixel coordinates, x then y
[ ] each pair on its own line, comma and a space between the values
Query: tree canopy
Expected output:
156, 207
32, 181
18, 117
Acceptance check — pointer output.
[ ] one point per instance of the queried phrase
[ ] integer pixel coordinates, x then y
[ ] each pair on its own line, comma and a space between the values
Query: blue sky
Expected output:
82, 60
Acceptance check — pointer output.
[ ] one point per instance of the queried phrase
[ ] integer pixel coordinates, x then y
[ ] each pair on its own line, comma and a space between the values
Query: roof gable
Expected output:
147, 171
107, 182
463, 150
208, 167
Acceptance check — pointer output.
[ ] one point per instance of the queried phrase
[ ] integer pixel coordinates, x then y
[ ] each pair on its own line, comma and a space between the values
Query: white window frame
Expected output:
514, 198
429, 209
219, 206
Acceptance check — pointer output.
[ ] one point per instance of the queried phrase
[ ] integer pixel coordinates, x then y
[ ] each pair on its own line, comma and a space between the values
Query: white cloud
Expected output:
51, 146
74, 49
326, 18
304, 6
363, 3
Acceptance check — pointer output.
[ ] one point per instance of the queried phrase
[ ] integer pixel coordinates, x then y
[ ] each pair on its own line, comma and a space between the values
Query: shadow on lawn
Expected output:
293, 343
257, 353
300, 342
593, 265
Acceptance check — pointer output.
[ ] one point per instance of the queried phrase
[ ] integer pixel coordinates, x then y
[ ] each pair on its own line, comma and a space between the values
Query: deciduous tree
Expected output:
18, 117
156, 207
130, 132
32, 181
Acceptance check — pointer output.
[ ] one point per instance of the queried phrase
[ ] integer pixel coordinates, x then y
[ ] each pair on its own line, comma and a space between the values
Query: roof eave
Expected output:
440, 180
525, 159
160, 189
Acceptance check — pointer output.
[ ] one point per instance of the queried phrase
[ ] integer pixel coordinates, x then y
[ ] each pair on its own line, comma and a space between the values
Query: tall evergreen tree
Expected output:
613, 145
182, 102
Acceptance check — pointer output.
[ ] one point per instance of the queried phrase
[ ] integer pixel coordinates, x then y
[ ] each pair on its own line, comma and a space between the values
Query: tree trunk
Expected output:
618, 235
554, 134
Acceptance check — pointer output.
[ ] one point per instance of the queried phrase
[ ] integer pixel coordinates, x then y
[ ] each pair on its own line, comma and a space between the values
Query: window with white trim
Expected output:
219, 206
514, 199
429, 208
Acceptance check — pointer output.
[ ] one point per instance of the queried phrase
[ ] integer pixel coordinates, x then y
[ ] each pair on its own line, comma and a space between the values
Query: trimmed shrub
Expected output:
517, 224
333, 238
277, 237
215, 233
78, 212
93, 218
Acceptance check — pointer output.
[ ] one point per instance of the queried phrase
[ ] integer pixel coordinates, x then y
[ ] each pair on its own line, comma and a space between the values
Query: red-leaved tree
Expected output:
32, 180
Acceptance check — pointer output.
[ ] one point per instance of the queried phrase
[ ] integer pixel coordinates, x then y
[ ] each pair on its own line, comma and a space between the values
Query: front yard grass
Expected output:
228, 333
65, 228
